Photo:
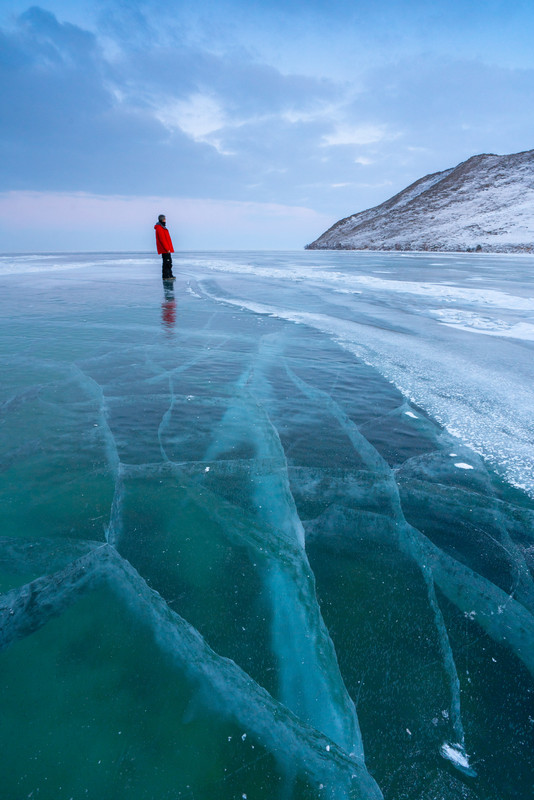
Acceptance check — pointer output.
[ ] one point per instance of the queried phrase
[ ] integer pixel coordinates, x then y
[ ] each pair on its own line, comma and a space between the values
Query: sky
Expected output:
251, 125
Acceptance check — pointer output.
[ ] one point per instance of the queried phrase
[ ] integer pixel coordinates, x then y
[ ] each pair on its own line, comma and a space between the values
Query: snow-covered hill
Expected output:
486, 203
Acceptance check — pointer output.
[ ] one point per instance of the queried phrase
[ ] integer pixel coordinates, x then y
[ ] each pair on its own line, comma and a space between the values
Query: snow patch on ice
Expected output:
352, 284
475, 323
456, 754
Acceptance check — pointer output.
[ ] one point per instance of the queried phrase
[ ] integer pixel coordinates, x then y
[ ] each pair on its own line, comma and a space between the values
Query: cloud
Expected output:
75, 120
450, 109
197, 116
357, 135
54, 42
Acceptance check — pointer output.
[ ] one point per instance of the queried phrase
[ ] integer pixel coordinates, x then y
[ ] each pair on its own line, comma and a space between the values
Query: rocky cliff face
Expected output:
486, 203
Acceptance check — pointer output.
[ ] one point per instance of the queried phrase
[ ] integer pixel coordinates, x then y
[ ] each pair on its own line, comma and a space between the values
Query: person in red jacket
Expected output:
165, 248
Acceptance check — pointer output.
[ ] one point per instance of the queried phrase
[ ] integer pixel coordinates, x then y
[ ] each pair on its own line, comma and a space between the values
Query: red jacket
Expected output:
163, 239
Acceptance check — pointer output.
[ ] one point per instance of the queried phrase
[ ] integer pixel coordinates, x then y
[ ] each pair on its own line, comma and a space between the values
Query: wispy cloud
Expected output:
200, 116
197, 116
357, 135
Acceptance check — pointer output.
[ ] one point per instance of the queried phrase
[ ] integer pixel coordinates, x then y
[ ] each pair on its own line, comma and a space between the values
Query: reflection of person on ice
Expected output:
165, 248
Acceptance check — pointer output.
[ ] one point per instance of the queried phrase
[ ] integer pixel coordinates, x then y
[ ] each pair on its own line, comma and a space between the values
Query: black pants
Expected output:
166, 266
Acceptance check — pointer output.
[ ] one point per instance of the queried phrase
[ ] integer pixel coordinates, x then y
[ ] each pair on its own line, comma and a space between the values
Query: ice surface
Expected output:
480, 392
238, 541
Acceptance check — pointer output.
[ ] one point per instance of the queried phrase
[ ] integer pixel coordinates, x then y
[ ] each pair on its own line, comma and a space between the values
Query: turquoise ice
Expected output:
267, 533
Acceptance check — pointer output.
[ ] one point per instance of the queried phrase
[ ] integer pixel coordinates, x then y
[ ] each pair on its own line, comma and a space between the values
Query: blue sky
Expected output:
250, 124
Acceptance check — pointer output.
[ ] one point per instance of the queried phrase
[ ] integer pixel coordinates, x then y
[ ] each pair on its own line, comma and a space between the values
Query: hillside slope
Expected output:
485, 203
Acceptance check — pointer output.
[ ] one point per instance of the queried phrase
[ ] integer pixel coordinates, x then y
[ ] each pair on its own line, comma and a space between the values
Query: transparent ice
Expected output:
268, 532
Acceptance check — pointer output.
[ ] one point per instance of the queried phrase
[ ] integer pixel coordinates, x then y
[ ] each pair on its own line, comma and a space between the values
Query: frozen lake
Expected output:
268, 532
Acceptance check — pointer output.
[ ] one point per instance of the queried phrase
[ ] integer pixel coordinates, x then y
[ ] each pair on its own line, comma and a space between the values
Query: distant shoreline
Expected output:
147, 253
479, 250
